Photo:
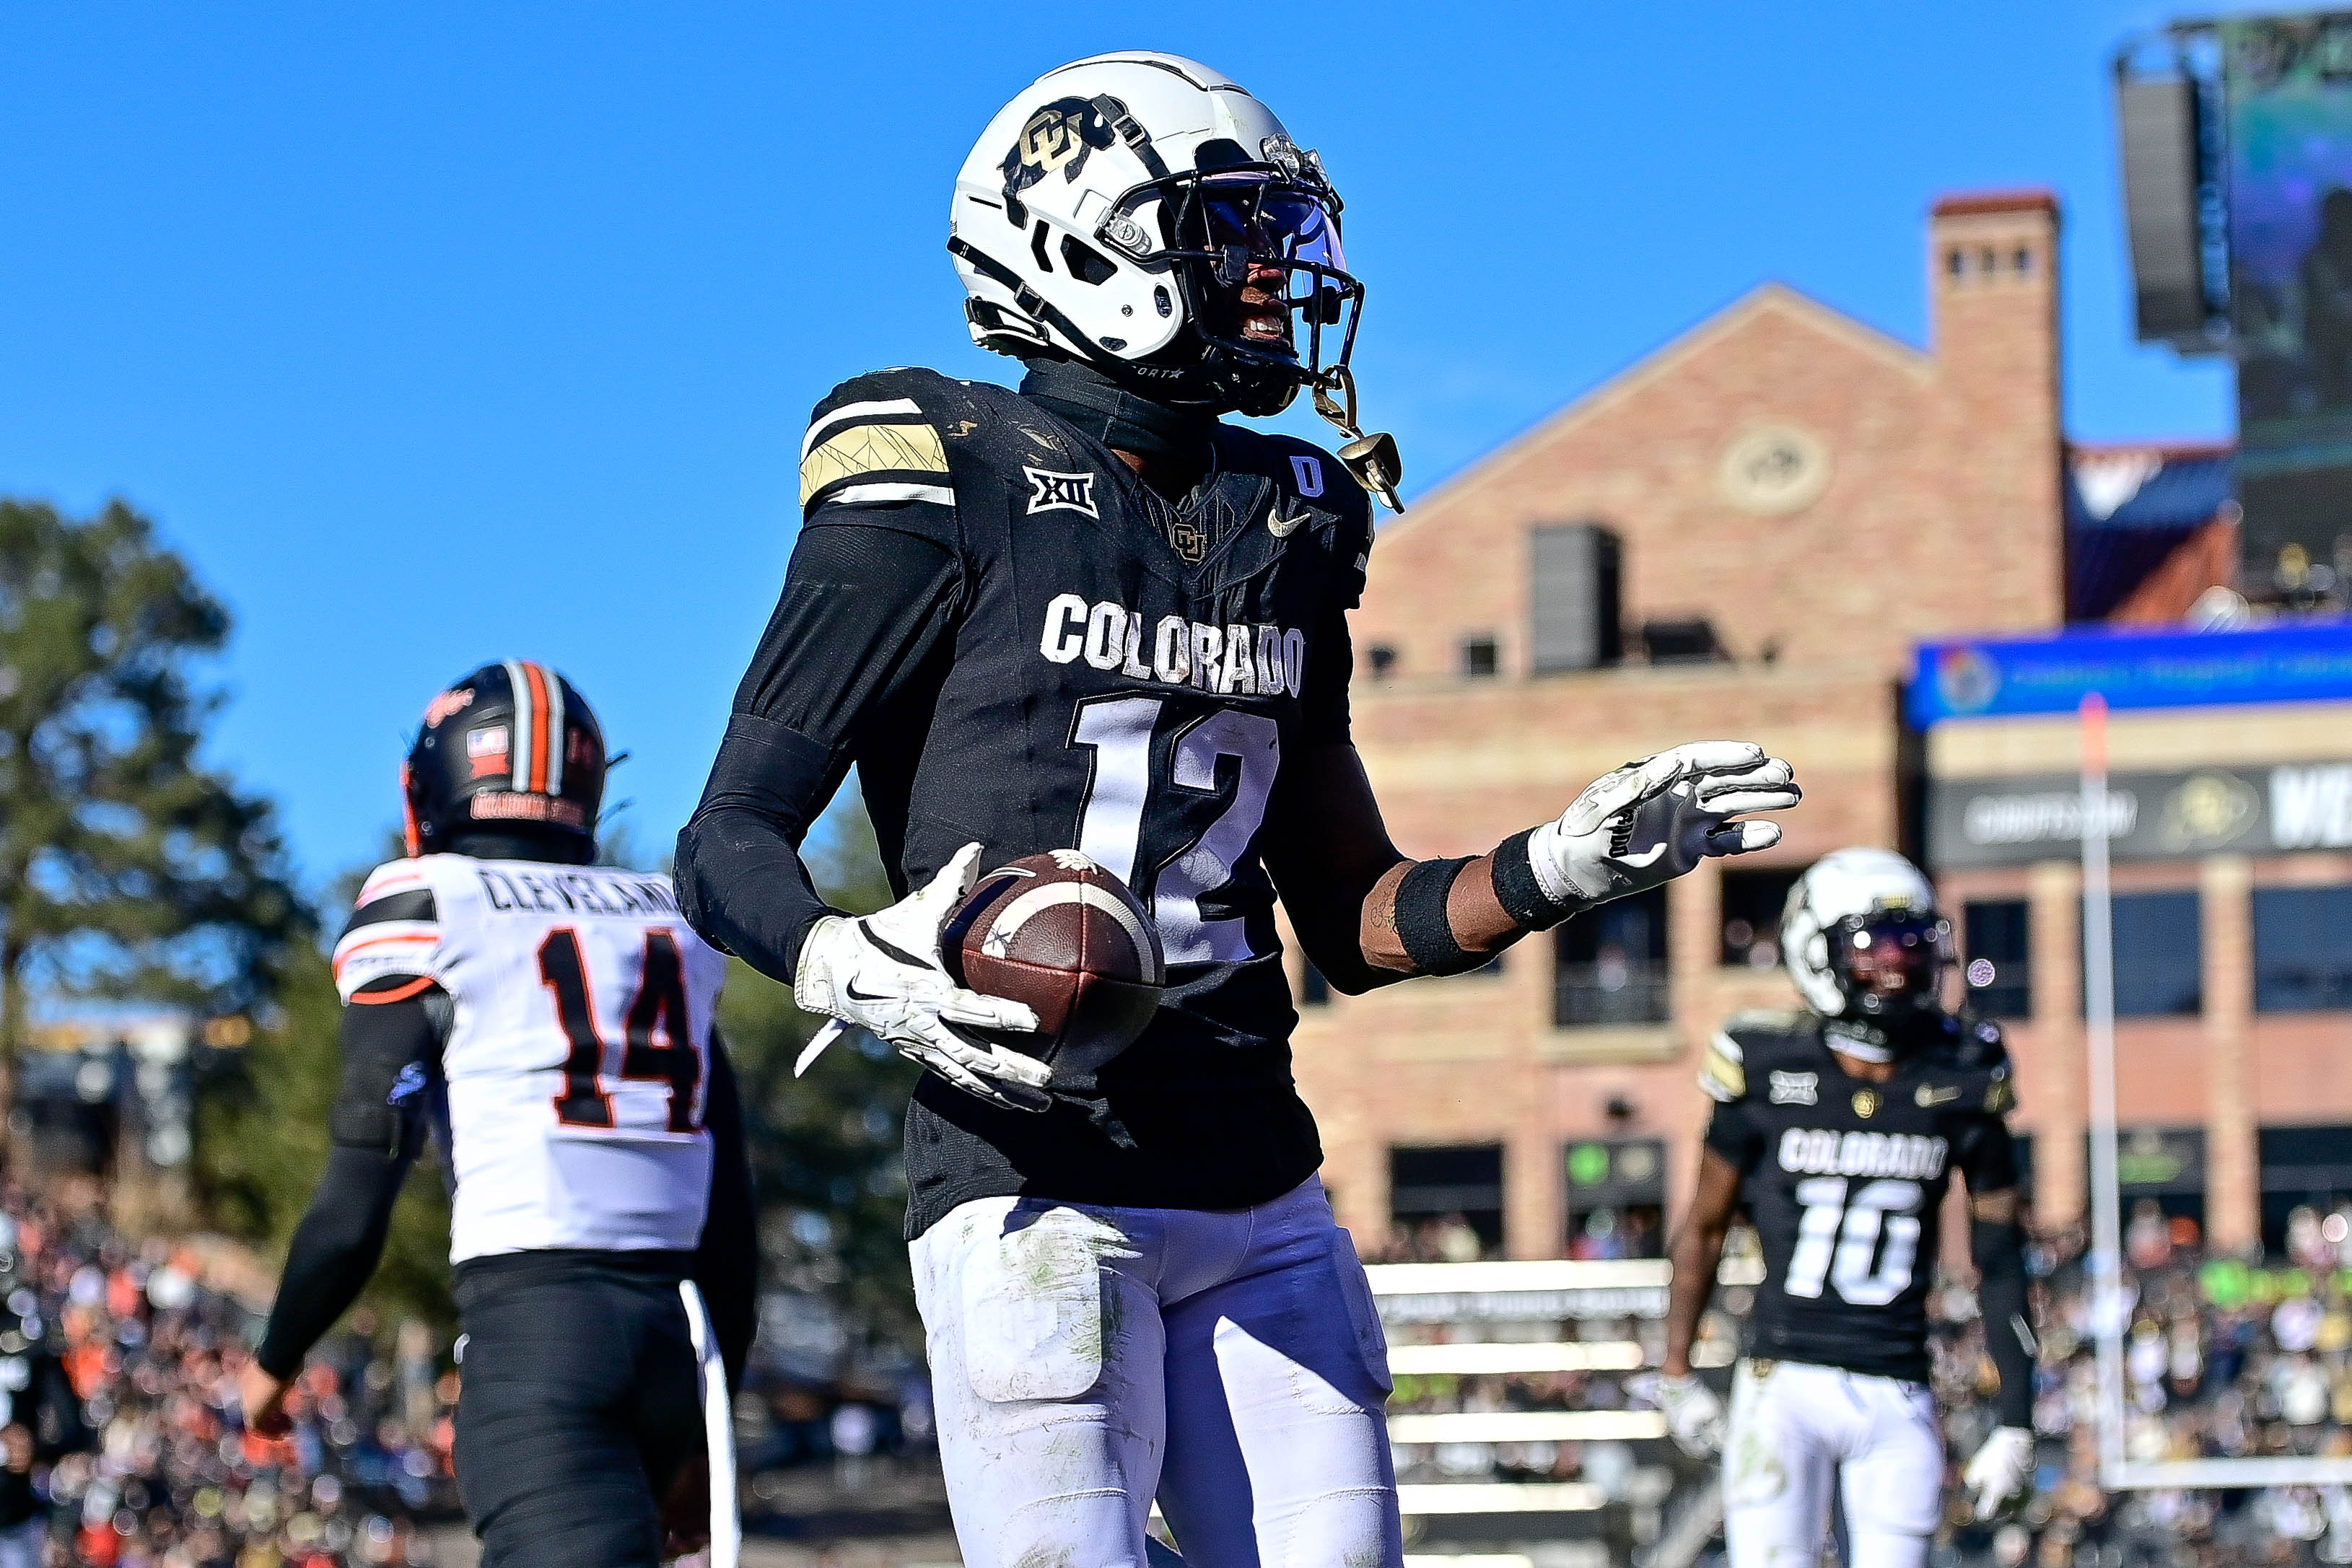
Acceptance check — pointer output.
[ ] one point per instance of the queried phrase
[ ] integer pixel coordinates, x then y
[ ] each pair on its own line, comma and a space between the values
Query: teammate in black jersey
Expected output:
1091, 615
1844, 1125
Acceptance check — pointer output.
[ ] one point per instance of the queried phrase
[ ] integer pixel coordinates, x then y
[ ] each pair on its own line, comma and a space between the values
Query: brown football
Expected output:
1059, 932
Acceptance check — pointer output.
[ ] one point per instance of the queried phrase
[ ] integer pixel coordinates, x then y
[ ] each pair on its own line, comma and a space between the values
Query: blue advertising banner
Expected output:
1985, 678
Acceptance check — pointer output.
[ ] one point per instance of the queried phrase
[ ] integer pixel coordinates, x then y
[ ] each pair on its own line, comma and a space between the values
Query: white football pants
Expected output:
1797, 1431
1085, 1359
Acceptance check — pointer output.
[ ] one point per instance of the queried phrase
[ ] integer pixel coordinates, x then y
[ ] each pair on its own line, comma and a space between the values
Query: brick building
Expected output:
1750, 533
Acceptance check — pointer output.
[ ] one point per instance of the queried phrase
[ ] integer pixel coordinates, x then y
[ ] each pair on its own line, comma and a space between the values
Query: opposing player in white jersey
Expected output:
1844, 1124
551, 1021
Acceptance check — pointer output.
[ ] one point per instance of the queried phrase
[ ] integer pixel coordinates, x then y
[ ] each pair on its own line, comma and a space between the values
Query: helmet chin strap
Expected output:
1372, 459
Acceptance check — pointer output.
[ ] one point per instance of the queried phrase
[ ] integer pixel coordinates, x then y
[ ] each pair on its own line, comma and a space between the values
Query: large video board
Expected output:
2288, 91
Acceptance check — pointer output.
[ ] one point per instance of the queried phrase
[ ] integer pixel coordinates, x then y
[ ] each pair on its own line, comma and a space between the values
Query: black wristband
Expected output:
1422, 922
1517, 889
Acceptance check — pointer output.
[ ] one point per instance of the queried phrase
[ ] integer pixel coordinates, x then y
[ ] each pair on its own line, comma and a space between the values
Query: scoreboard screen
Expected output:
2287, 87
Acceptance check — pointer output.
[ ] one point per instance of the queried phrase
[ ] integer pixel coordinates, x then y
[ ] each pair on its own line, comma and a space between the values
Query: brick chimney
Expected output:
1992, 260
1992, 292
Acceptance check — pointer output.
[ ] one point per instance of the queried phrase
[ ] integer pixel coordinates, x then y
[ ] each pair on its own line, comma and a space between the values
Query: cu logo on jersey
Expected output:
1052, 492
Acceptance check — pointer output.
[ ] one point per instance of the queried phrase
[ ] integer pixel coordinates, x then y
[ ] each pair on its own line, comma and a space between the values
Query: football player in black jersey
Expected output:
1844, 1125
1090, 615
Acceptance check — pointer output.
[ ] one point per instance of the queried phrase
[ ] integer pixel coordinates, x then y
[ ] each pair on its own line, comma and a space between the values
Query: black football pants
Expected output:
581, 1399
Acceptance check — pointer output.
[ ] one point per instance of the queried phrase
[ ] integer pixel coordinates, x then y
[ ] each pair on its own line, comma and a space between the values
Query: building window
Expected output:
1616, 1199
1481, 657
1575, 597
1610, 964
2304, 1168
1987, 262
2000, 933
1383, 659
1446, 1203
2022, 261
1752, 901
1955, 262
2303, 958
1690, 639
1314, 990
2160, 955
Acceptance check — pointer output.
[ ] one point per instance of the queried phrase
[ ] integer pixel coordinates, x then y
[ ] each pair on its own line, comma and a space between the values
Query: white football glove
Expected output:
1694, 1416
882, 973
1652, 821
2001, 1469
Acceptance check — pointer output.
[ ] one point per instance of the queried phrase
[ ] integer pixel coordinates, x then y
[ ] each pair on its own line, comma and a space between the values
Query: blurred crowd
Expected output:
2224, 1358
1449, 1239
1598, 1236
122, 1444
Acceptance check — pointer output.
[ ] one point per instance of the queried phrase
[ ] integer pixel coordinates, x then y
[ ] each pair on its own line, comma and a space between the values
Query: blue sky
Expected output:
440, 334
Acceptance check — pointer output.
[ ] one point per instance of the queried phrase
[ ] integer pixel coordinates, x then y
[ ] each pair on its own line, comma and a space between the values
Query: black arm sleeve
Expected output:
865, 603
2008, 1318
1323, 694
1732, 1132
727, 1262
390, 1049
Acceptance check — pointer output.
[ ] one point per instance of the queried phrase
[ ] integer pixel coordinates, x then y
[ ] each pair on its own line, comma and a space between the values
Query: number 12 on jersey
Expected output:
1111, 823
658, 1041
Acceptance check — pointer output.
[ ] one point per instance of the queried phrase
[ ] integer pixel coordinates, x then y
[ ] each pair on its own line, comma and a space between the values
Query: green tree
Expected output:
825, 1148
128, 868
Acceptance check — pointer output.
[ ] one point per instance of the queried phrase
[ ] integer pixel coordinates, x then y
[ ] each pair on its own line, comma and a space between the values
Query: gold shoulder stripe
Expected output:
872, 449
1721, 1076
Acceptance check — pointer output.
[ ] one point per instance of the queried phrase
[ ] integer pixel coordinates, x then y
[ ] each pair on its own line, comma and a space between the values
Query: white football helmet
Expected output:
1862, 937
1114, 212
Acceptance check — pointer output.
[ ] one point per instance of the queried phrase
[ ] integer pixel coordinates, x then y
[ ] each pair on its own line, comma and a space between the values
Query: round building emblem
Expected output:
1774, 469
2207, 811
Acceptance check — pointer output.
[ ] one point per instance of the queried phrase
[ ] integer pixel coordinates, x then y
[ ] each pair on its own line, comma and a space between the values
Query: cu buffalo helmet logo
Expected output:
1059, 136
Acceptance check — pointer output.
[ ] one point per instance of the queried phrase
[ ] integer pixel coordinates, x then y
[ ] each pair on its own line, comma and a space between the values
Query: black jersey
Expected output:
1846, 1180
1122, 675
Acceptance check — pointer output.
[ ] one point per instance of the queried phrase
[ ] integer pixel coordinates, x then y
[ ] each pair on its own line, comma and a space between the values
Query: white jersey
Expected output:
578, 1059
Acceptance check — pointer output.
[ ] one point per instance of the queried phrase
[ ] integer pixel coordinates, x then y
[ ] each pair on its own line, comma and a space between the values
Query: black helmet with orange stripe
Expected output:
510, 763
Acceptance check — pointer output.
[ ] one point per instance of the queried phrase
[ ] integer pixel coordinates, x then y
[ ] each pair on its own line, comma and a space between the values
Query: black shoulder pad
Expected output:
1973, 1045
1747, 1049
882, 437
1773, 1030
